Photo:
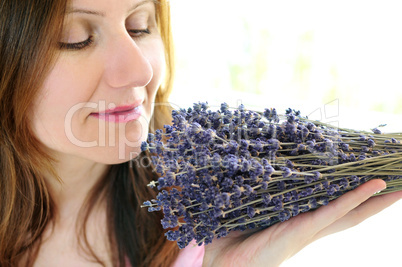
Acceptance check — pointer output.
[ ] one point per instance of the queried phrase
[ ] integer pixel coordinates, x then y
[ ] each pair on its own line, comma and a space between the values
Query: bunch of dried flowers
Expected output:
234, 169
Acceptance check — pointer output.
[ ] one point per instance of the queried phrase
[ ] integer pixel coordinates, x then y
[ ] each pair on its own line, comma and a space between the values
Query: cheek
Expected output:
156, 57
59, 94
66, 85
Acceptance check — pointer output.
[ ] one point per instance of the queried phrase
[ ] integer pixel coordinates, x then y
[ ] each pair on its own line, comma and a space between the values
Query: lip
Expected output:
120, 114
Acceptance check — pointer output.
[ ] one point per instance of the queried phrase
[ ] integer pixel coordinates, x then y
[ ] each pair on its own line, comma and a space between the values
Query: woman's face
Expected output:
98, 99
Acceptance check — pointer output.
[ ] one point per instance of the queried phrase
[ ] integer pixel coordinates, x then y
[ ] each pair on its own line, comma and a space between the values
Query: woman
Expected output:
78, 83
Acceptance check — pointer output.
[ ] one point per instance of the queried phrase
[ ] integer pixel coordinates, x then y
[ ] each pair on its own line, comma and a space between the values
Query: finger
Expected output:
336, 209
367, 209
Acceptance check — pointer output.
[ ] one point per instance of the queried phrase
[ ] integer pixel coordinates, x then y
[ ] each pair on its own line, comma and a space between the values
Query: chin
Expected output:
122, 152
113, 156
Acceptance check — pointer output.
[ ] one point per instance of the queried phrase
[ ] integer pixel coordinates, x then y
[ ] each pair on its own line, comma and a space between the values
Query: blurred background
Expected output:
336, 61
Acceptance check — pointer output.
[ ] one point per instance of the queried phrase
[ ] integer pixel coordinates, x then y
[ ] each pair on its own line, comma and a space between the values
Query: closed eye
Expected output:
135, 33
138, 33
76, 46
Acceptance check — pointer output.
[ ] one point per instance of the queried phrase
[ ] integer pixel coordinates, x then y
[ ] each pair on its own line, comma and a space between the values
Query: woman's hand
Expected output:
272, 246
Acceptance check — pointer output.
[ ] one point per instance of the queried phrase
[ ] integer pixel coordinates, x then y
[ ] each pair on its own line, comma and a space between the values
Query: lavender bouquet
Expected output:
234, 169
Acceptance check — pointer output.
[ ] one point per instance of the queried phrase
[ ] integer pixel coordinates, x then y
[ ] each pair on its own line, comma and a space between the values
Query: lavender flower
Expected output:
234, 169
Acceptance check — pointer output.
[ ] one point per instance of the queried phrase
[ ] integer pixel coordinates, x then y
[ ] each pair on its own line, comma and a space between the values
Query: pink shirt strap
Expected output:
191, 255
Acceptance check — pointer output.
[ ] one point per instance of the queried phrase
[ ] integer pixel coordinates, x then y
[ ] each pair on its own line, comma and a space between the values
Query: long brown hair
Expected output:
29, 31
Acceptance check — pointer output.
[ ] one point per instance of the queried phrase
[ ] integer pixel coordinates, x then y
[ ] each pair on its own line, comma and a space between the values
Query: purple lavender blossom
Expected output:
234, 169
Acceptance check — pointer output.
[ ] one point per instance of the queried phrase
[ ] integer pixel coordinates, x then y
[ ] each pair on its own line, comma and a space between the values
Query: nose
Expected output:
126, 65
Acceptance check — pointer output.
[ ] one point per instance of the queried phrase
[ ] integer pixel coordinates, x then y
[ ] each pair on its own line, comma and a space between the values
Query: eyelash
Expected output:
76, 46
137, 34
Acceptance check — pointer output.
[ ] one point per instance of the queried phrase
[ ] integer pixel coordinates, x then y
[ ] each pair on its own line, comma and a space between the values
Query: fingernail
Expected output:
385, 186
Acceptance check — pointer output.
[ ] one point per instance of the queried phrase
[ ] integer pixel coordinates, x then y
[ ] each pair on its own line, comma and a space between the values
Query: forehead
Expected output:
104, 7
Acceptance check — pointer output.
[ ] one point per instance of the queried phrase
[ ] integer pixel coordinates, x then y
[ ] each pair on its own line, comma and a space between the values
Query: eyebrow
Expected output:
96, 13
